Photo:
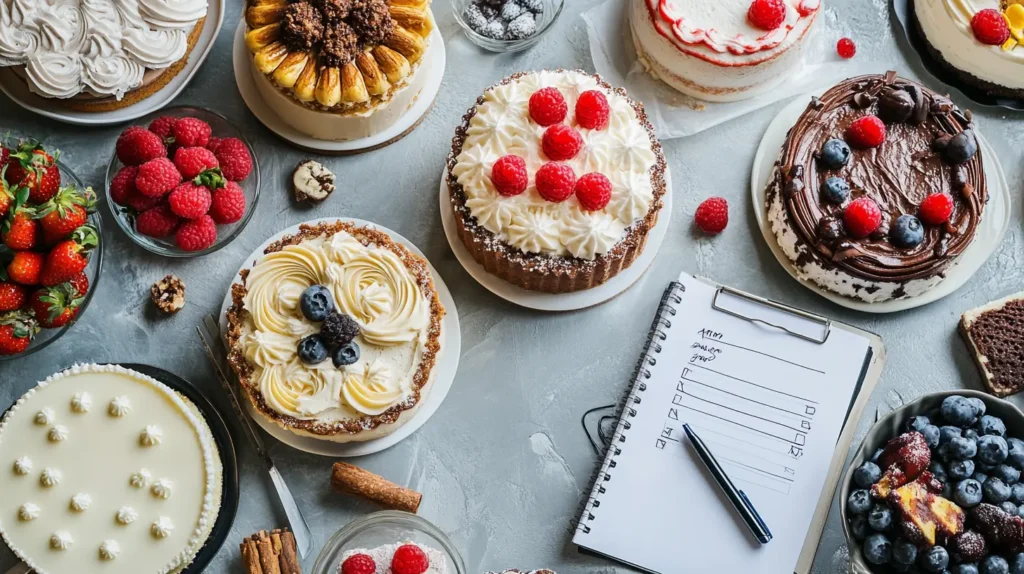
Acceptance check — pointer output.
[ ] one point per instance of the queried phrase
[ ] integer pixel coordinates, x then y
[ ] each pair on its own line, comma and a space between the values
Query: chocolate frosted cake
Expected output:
879, 189
995, 335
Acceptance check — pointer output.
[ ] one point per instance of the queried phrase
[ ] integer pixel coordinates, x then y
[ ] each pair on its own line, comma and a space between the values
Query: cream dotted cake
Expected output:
104, 494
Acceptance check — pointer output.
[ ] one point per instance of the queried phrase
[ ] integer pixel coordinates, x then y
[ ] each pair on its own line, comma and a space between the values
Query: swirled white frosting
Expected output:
80, 502
140, 479
23, 466
162, 488
44, 417
622, 152
110, 549
102, 47
50, 477
28, 512
126, 515
162, 527
151, 436
119, 407
81, 402
61, 540
58, 433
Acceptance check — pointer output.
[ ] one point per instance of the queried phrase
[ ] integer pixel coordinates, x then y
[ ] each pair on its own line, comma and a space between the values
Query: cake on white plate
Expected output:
103, 469
98, 55
721, 51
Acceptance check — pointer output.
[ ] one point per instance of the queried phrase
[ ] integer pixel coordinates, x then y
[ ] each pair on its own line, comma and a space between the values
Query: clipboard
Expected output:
598, 423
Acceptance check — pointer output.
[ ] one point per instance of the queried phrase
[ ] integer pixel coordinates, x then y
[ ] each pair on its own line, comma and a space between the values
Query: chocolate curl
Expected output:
271, 552
364, 484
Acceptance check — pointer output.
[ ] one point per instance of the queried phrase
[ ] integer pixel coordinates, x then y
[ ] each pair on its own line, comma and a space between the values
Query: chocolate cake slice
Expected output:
995, 335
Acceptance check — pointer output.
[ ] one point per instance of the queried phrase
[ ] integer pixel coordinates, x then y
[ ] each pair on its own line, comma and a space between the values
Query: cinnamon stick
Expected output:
271, 552
365, 484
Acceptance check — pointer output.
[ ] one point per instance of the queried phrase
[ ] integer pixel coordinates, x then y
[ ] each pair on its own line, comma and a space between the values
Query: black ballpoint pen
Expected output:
736, 496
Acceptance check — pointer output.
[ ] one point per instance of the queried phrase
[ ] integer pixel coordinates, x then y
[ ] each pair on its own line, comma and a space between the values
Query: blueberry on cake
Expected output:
995, 335
555, 179
879, 189
334, 333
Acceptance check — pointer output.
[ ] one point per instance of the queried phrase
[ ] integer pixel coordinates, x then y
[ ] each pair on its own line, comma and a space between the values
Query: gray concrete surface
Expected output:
504, 462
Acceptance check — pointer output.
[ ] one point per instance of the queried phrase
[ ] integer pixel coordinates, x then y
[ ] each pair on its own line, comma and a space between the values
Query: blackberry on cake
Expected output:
994, 335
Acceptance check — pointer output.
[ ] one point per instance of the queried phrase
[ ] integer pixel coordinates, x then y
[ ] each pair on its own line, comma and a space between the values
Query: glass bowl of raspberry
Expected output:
383, 537
506, 25
182, 182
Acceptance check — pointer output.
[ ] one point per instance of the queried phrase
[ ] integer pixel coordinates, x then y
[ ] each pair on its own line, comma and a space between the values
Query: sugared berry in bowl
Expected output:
712, 215
504, 24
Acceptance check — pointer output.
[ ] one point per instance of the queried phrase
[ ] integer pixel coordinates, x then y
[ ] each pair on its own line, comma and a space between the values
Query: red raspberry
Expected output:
592, 110
990, 27
156, 177
936, 208
163, 126
561, 142
228, 204
235, 161
122, 187
862, 217
509, 175
137, 145
594, 191
192, 161
548, 107
556, 182
712, 216
197, 234
213, 144
846, 48
191, 132
767, 14
866, 132
358, 564
159, 221
141, 203
409, 559
189, 200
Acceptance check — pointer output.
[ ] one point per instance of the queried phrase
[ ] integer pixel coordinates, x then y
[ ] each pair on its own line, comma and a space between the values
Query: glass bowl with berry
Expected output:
936, 487
51, 252
506, 25
389, 541
183, 182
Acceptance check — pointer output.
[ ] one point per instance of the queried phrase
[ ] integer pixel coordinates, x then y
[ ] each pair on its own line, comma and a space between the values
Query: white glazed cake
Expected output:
103, 469
709, 50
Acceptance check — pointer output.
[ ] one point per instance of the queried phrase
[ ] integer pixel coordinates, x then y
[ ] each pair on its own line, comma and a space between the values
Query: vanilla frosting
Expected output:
622, 152
100, 47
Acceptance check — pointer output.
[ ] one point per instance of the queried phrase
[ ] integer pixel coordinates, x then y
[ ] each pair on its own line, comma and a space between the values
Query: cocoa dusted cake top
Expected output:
882, 177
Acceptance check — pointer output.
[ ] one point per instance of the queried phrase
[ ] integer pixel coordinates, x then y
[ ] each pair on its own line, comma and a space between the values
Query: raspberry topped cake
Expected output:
879, 189
556, 179
335, 331
721, 51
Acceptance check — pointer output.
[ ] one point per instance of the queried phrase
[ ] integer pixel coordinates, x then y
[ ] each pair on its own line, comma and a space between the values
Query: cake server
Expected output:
209, 335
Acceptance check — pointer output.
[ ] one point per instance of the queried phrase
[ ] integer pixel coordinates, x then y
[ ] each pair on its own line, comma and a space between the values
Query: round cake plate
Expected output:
444, 375
989, 236
16, 89
434, 64
560, 301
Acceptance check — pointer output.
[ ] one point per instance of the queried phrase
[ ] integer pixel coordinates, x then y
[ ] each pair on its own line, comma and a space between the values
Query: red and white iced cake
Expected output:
721, 51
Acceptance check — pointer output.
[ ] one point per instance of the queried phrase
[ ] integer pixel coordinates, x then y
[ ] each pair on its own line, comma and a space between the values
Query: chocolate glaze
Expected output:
898, 175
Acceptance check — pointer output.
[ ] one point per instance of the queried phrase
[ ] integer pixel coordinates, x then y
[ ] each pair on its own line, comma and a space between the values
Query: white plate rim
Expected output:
444, 376
562, 301
997, 213
164, 96
273, 122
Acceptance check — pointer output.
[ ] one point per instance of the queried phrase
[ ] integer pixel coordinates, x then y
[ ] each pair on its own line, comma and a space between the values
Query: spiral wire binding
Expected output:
626, 408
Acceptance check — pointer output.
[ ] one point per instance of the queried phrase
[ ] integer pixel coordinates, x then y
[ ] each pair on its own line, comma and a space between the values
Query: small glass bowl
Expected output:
552, 9
125, 216
381, 528
47, 336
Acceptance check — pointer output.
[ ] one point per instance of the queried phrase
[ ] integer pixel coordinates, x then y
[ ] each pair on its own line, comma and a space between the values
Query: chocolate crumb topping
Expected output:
334, 11
371, 20
341, 45
303, 26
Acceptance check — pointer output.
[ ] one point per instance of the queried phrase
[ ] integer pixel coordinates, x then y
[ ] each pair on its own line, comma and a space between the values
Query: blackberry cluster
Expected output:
504, 19
338, 330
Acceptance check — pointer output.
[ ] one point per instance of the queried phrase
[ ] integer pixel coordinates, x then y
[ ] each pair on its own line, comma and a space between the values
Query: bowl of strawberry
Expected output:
51, 252
182, 183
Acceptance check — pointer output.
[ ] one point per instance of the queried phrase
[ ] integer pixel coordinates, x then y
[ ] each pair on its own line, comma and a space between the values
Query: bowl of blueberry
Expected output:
936, 488
506, 25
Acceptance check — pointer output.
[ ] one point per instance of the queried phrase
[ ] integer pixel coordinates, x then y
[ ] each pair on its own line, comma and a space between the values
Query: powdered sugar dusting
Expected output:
382, 556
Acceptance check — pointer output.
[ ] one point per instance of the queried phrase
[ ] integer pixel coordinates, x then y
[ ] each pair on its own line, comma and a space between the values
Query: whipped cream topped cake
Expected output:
981, 42
98, 55
103, 469
339, 69
721, 51
879, 189
556, 179
334, 333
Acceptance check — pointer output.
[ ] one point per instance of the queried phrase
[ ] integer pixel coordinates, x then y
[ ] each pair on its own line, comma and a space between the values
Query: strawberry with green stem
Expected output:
17, 329
69, 258
55, 306
26, 267
65, 212
31, 167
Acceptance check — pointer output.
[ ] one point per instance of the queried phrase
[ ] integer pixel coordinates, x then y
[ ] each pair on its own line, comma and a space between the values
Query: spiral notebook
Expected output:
769, 388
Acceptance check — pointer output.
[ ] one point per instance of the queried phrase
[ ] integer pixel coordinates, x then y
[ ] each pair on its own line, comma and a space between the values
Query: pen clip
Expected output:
754, 513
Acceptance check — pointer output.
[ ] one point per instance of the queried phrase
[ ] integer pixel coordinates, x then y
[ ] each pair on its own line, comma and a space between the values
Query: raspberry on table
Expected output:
159, 221
866, 132
359, 564
122, 187
990, 27
712, 216
509, 175
192, 161
862, 217
548, 107
163, 126
936, 208
190, 201
556, 182
234, 158
409, 559
592, 110
137, 145
846, 48
197, 234
561, 142
228, 204
594, 191
767, 14
157, 177
191, 132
